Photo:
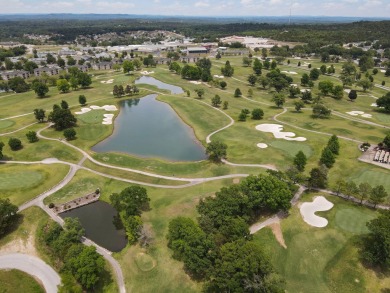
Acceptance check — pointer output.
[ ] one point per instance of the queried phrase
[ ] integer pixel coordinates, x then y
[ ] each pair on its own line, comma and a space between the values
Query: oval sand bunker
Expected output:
308, 210
276, 130
262, 145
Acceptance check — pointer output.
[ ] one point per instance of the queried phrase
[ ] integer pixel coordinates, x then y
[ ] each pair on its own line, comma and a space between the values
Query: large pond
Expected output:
98, 221
152, 129
161, 85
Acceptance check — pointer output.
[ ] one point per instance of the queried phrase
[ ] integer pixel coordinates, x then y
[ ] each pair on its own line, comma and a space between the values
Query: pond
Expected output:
152, 129
161, 85
98, 221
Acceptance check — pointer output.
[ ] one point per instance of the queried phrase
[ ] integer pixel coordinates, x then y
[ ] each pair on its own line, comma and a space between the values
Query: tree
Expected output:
386, 141
223, 84
327, 157
40, 88
32, 136
334, 145
74, 83
218, 56
225, 105
299, 105
237, 93
18, 85
1, 149
384, 102
39, 114
242, 116
250, 93
348, 74
351, 189
82, 100
227, 70
321, 111
131, 201
8, 215
294, 91
30, 66
15, 144
376, 244
378, 195
63, 85
300, 161
305, 79
175, 66
252, 79
352, 95
257, 114
314, 74
366, 62
246, 61
325, 87
323, 69
257, 66
279, 100
128, 66
364, 192
216, 151
365, 84
64, 105
338, 92
216, 101
70, 133
85, 264
306, 96
62, 118
199, 92
318, 177
84, 79
264, 81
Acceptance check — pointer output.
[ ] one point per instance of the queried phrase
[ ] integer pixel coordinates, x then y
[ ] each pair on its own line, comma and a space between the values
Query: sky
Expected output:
356, 8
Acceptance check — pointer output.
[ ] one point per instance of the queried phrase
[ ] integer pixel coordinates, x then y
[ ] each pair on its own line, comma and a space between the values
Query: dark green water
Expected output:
98, 221
152, 129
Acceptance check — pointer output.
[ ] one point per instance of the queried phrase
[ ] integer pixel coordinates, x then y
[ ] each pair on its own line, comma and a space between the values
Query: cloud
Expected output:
201, 4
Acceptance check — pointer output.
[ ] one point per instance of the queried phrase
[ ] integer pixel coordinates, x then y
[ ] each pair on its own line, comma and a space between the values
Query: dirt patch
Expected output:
277, 231
19, 245
236, 180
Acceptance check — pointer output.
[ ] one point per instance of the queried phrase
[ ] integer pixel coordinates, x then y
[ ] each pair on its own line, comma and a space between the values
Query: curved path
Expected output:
32, 266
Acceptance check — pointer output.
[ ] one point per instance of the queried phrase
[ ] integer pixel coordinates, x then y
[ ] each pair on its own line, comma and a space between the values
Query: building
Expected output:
102, 66
82, 68
55, 70
7, 75
196, 50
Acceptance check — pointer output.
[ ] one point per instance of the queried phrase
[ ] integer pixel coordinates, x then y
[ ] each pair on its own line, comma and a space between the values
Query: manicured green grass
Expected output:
6, 123
373, 177
292, 148
17, 281
21, 183
92, 117
145, 262
313, 254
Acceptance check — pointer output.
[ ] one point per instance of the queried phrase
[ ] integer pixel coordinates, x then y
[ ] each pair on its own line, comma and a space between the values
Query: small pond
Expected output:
98, 221
152, 129
161, 85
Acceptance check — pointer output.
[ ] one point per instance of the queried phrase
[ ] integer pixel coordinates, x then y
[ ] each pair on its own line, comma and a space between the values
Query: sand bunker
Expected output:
289, 72
305, 90
195, 82
262, 145
105, 107
347, 91
276, 130
359, 113
107, 81
374, 105
219, 76
383, 71
308, 210
147, 72
83, 110
107, 120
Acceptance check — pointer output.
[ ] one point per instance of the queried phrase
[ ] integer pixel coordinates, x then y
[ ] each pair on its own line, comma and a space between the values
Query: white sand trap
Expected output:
294, 85
105, 107
347, 91
107, 120
367, 115
107, 81
276, 130
219, 76
308, 210
359, 113
147, 72
289, 72
383, 71
262, 145
195, 82
374, 105
305, 90
83, 110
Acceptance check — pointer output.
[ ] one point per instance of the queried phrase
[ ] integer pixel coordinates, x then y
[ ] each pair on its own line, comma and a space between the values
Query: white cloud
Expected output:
201, 4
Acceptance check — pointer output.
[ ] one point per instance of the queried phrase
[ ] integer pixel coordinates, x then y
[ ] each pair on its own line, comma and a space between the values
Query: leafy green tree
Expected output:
264, 81
327, 157
307, 96
246, 61
131, 200
338, 92
62, 118
18, 85
318, 177
30, 66
175, 66
223, 84
314, 74
364, 192
15, 144
325, 87
299, 105
1, 149
352, 95
384, 102
84, 79
70, 133
225, 105
321, 111
252, 79
63, 85
64, 105
351, 189
74, 83
334, 145
366, 62
300, 161
257, 114
378, 195
8, 215
323, 69
133, 226
127, 66
279, 100
200, 92
82, 100
39, 114
257, 66
376, 244
250, 93
294, 91
365, 84
32, 136
386, 141
216, 101
227, 70
305, 79
242, 116
216, 151
237, 93
40, 88
348, 74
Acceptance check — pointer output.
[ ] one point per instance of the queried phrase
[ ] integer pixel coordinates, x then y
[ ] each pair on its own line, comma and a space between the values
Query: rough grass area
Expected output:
17, 281
323, 259
292, 148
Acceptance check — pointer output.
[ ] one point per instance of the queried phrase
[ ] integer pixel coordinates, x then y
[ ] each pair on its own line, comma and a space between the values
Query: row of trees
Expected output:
8, 213
119, 91
219, 249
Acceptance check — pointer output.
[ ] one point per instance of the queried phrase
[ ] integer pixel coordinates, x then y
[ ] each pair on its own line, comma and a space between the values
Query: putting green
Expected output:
373, 177
20, 180
92, 117
292, 148
145, 262
6, 123
352, 220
